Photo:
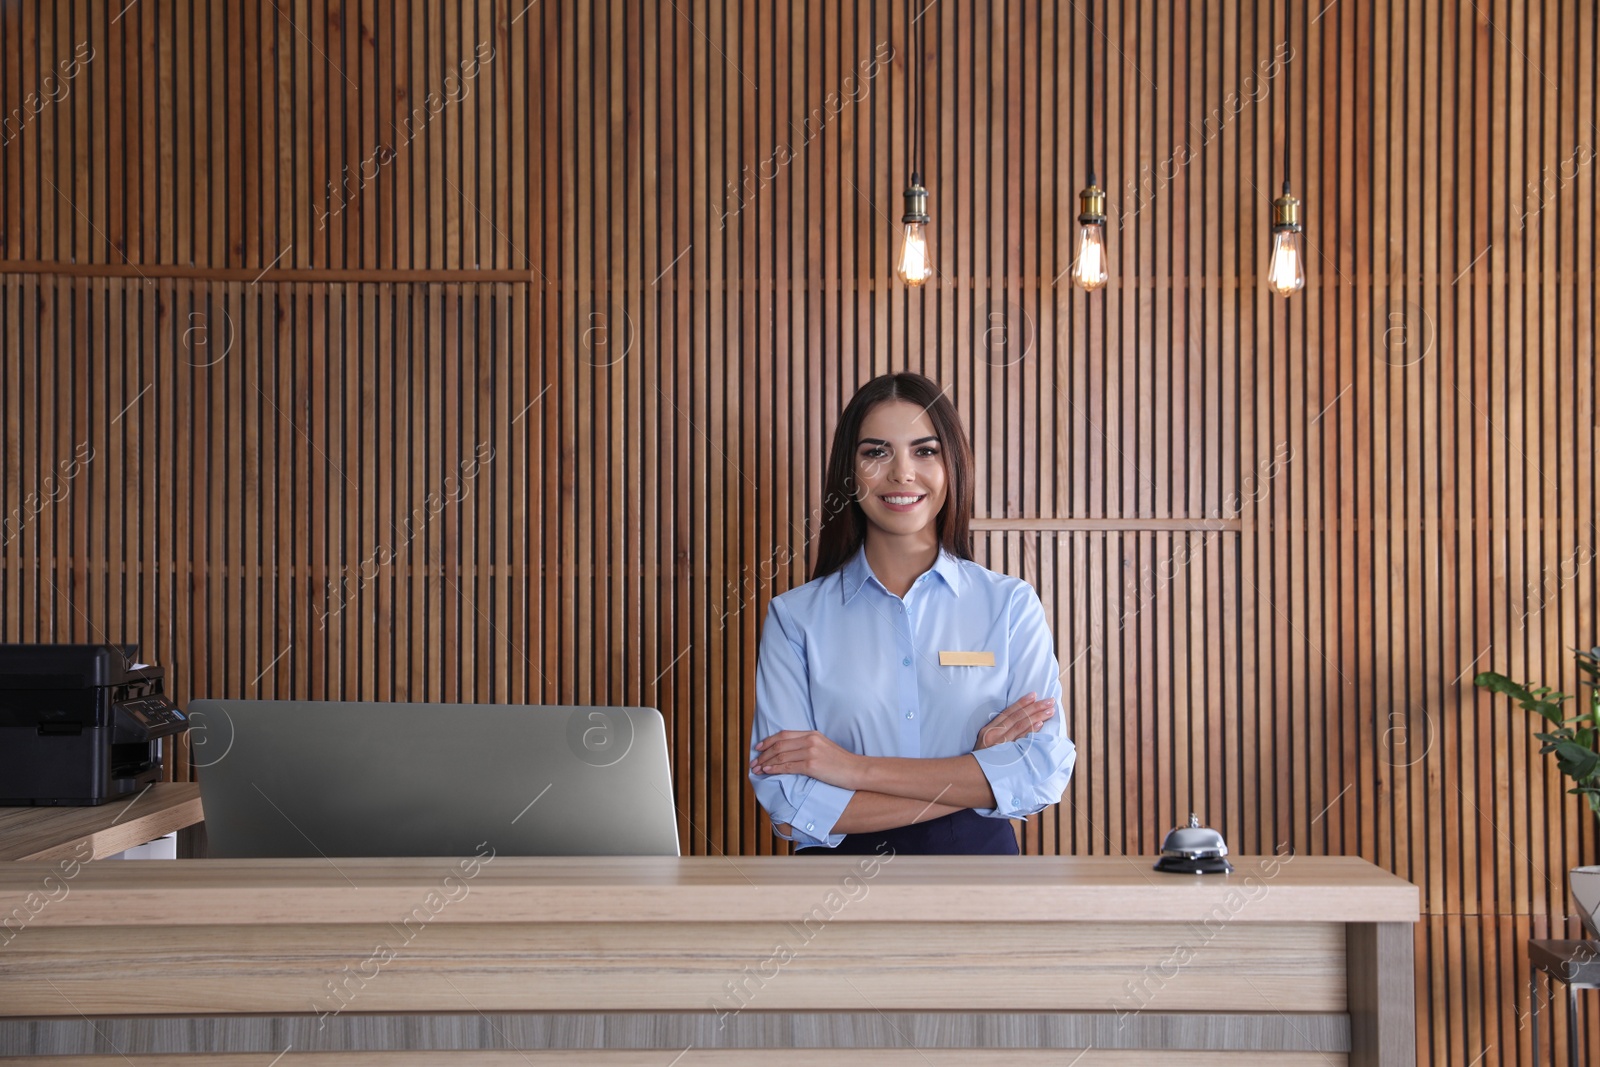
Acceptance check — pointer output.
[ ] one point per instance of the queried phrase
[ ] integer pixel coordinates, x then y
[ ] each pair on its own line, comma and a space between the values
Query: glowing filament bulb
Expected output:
916, 266
1286, 274
1089, 271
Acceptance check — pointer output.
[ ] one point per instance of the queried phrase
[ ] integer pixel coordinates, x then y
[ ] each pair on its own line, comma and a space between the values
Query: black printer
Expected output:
81, 724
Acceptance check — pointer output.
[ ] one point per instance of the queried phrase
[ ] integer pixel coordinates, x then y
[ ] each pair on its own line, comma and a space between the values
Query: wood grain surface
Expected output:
614, 890
59, 833
174, 968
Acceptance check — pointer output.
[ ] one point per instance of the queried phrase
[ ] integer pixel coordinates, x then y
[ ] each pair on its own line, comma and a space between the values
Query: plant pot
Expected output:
1585, 882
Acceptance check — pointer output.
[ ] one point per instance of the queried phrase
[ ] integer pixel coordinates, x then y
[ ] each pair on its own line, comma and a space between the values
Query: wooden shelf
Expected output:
49, 834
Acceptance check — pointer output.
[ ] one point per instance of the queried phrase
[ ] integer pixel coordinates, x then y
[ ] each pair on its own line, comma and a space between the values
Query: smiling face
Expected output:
899, 470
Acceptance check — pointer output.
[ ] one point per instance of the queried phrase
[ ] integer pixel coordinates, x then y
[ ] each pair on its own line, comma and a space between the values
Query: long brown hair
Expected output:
844, 524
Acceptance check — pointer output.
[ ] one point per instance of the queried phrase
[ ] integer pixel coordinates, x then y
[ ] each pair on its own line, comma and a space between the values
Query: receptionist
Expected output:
906, 697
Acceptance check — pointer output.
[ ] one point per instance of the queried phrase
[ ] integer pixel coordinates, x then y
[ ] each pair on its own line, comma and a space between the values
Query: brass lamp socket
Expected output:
916, 203
1286, 214
1092, 206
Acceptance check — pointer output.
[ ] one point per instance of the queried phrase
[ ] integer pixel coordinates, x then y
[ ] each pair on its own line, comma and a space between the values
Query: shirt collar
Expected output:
858, 571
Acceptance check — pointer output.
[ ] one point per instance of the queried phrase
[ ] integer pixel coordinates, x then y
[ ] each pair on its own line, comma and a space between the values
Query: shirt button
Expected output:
911, 715
811, 826
906, 661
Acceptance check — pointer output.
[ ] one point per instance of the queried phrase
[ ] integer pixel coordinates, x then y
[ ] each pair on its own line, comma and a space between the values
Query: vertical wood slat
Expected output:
1305, 680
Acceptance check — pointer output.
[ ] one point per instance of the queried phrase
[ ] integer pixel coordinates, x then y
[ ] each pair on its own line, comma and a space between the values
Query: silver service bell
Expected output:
1194, 849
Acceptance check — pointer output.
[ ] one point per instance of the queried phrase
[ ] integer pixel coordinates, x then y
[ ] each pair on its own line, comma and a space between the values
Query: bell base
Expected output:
1190, 865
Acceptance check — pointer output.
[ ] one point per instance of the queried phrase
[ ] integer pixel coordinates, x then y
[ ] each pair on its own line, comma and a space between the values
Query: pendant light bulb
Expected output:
1089, 270
1286, 270
916, 265
1286, 273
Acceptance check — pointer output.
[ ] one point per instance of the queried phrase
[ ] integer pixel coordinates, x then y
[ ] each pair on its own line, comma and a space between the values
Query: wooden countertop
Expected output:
719, 889
58, 833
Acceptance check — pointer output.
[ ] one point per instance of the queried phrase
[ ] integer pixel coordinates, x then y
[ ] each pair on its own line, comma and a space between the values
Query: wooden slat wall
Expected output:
537, 359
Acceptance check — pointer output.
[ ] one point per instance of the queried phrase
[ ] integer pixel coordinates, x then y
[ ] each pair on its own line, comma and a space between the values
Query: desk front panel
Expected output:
685, 966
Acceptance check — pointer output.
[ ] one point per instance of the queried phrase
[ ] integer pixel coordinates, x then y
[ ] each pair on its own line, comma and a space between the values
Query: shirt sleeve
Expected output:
783, 702
1030, 773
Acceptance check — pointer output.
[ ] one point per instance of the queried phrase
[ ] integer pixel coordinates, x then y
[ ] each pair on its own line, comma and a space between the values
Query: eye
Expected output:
928, 450
873, 452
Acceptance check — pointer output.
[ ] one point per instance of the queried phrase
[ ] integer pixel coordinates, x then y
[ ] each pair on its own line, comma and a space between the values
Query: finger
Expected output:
774, 754
779, 736
1039, 717
1009, 717
786, 750
1001, 733
1019, 713
1017, 705
765, 756
1023, 730
1019, 727
1003, 723
793, 766
1021, 702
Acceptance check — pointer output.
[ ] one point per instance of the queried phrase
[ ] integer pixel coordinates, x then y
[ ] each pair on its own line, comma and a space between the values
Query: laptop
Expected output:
326, 778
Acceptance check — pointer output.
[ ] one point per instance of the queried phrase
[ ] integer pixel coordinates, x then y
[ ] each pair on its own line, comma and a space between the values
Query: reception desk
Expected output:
835, 960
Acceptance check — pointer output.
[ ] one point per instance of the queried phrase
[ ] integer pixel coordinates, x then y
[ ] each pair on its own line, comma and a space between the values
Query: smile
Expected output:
904, 501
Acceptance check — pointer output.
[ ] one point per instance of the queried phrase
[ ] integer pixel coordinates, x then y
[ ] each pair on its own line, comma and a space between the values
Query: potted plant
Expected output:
1573, 743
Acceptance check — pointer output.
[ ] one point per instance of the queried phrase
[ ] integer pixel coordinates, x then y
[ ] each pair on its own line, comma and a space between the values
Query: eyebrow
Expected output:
880, 441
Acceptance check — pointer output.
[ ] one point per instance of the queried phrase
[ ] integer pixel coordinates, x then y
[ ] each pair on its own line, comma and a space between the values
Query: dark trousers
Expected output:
961, 833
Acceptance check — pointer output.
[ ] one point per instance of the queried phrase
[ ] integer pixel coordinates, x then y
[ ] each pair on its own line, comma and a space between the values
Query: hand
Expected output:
810, 753
1022, 718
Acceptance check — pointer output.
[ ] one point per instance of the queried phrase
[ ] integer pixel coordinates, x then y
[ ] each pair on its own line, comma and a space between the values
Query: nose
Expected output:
902, 469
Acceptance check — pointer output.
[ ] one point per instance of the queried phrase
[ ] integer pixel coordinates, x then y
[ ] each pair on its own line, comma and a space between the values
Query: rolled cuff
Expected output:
817, 813
1017, 791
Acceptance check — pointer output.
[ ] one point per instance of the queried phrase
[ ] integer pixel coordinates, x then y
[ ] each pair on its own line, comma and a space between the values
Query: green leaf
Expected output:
1531, 700
1577, 761
1570, 741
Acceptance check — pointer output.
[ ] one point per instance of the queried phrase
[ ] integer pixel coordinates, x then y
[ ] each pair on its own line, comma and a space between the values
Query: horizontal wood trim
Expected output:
693, 1057
750, 1029
616, 890
674, 966
45, 269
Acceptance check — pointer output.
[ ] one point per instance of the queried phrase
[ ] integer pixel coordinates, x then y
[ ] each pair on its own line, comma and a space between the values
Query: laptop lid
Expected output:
327, 778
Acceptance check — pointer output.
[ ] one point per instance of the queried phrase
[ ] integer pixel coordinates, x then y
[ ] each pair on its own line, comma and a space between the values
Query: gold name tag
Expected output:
966, 659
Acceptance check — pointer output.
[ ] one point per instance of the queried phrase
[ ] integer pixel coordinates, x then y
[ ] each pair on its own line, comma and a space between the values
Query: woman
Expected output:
905, 696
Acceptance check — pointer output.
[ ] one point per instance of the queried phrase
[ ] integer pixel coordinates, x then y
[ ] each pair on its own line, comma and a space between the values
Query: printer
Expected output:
81, 724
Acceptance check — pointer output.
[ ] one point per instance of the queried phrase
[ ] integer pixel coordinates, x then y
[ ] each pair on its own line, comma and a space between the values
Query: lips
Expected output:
903, 501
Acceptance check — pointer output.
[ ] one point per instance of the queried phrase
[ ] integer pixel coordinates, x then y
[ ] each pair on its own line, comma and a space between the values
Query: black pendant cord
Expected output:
1090, 47
917, 162
1288, 84
911, 101
912, 118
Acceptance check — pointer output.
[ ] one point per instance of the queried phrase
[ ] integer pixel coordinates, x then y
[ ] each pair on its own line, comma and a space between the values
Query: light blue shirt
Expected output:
845, 656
